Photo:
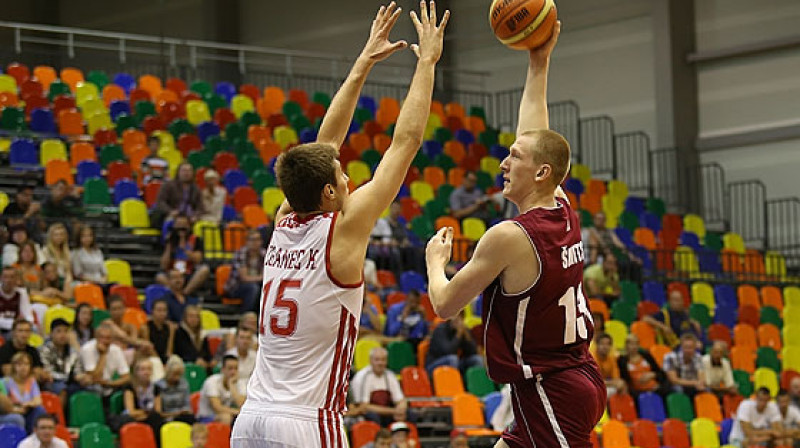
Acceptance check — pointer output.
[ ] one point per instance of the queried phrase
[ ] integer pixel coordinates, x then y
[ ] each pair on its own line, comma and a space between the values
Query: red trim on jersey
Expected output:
335, 366
329, 425
322, 438
328, 245
345, 371
338, 424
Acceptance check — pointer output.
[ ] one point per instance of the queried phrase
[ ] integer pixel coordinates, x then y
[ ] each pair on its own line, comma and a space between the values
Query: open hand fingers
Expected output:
423, 12
445, 19
432, 12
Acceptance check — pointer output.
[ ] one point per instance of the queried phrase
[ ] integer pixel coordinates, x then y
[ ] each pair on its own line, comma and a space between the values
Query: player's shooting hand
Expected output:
378, 46
439, 248
540, 55
431, 36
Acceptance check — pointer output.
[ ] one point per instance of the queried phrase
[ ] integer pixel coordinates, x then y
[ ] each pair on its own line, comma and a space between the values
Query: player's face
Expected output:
519, 170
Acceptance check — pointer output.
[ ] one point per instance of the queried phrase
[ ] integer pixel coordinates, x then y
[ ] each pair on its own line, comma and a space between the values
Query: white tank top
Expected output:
308, 323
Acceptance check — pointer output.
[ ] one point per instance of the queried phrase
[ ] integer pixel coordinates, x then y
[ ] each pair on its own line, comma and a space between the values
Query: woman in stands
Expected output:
23, 390
29, 267
57, 251
159, 331
190, 344
52, 289
88, 263
640, 370
141, 397
178, 196
18, 237
82, 330
173, 394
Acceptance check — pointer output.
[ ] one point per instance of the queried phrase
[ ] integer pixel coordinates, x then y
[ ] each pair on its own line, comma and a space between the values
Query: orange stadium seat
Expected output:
111, 93
70, 122
706, 405
748, 295
769, 336
749, 315
221, 275
659, 351
447, 382
616, 435
455, 150
719, 332
455, 176
71, 76
645, 333
646, 308
599, 306
743, 358
45, 75
434, 176
52, 404
91, 294
771, 296
744, 335
363, 433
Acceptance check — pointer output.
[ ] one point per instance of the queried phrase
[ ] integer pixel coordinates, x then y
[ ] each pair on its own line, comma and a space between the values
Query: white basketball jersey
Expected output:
308, 324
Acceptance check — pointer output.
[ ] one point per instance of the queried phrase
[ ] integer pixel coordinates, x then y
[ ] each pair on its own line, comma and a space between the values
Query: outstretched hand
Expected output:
541, 54
439, 248
378, 46
431, 36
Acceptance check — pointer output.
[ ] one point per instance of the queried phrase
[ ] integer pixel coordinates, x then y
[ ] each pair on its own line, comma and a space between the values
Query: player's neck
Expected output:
537, 199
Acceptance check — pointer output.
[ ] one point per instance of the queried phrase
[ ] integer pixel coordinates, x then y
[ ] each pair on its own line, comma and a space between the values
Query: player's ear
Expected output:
544, 172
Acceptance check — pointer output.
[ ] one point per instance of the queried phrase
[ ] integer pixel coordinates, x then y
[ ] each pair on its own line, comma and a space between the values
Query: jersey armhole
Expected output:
328, 245
530, 288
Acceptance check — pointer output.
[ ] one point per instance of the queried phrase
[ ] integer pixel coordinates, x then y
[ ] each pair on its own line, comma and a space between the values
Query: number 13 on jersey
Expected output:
576, 316
283, 313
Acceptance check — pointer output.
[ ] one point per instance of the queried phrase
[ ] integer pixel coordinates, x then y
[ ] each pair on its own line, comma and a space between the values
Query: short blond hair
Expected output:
553, 149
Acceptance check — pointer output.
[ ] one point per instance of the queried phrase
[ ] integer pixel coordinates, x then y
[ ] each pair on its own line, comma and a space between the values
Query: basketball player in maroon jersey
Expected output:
530, 270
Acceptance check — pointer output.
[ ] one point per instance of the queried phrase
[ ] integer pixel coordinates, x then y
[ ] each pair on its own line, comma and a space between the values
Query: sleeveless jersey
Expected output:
308, 324
547, 327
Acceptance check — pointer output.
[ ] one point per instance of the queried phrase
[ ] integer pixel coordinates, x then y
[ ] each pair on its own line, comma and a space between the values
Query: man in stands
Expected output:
377, 393
718, 372
44, 434
459, 439
607, 361
400, 436
26, 209
62, 361
103, 360
758, 421
176, 299
383, 439
790, 416
20, 334
244, 353
602, 280
452, 345
183, 251
407, 319
179, 196
673, 321
64, 201
468, 201
684, 367
153, 166
14, 301
222, 394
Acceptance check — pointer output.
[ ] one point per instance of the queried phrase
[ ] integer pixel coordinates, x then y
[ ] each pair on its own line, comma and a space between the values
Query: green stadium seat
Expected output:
770, 315
630, 291
742, 379
116, 403
477, 111
57, 88
179, 127
421, 161
656, 206
700, 313
488, 138
422, 227
195, 375
98, 316
85, 407
98, 78
321, 98
444, 192
478, 382
435, 208
485, 181
628, 221
624, 311
95, 192
111, 153
96, 435
124, 122
144, 109
768, 357
362, 115
444, 162
401, 355
13, 119
200, 159
679, 406
713, 241
442, 135
251, 164
371, 157
291, 109
201, 88
250, 118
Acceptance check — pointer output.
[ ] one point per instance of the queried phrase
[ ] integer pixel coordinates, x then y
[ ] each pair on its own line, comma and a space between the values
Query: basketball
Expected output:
523, 24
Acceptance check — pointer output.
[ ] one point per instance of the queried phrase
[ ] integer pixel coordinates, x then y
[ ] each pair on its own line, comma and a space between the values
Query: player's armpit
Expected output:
283, 211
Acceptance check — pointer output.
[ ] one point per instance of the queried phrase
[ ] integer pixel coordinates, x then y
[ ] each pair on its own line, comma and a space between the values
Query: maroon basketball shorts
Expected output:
557, 410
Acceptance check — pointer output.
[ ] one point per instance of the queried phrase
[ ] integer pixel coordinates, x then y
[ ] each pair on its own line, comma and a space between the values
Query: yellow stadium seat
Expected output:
285, 136
434, 121
791, 296
612, 206
35, 340
422, 192
693, 223
618, 332
361, 356
119, 271
791, 314
133, 214
790, 357
603, 420
473, 228
52, 149
704, 433
581, 172
766, 377
92, 107
618, 189
173, 158
197, 112
212, 238
100, 120
57, 311
5, 144
775, 265
271, 199
8, 84
165, 138
241, 104
791, 334
703, 293
733, 241
176, 435
506, 139
209, 320
3, 201
491, 165
686, 260
84, 91
358, 172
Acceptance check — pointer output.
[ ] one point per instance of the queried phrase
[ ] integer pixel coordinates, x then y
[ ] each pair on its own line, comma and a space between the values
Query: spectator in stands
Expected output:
153, 166
148, 352
602, 240
794, 391
452, 345
459, 439
222, 394
173, 393
104, 361
684, 367
62, 362
14, 301
377, 393
246, 271
407, 319
124, 333
244, 353
190, 345
390, 247
214, 197
179, 196
468, 201
82, 330
18, 342
88, 263
7, 414
23, 390
383, 439
607, 361
64, 201
248, 320
370, 318
176, 299
199, 436
52, 289
28, 267
718, 372
57, 251
640, 371
673, 321
790, 419
757, 422
183, 251
159, 331
602, 280
19, 236
400, 433
23, 206
141, 397
44, 434
371, 277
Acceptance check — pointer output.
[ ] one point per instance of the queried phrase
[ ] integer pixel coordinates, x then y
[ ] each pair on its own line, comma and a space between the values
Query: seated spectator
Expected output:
64, 201
718, 372
383, 439
178, 196
57, 251
459, 439
14, 302
7, 414
61, 362
159, 331
390, 247
124, 333
371, 277
370, 323
173, 393
407, 319
684, 367
148, 352
88, 263
19, 236
602, 280
25, 208
602, 240
23, 390
104, 362
52, 289
468, 201
176, 299
377, 393
452, 345
248, 320
44, 434
607, 361
28, 267
757, 422
790, 419
140, 398
244, 353
400, 436
794, 391
222, 394
673, 321
190, 345
640, 371
82, 329
153, 166
18, 342
214, 197
246, 272
183, 252
199, 436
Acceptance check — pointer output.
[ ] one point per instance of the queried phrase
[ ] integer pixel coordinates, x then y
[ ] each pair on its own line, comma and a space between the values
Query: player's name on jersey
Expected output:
571, 254
280, 258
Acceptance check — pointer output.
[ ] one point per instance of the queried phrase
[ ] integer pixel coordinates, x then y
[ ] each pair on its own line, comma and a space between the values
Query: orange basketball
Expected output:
523, 24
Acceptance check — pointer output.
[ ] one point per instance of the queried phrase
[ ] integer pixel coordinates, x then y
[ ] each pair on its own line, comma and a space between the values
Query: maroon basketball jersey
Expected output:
547, 327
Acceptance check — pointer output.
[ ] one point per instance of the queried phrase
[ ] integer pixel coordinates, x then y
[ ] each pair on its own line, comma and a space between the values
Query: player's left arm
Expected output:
448, 297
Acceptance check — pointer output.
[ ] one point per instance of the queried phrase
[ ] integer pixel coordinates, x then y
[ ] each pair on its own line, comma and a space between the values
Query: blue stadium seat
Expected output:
23, 152
404, 192
354, 127
654, 292
498, 151
625, 236
12, 435
368, 103
412, 280
709, 261
226, 90
88, 169
125, 189
725, 296
151, 294
651, 221
42, 121
126, 81
690, 239
725, 431
464, 136
308, 135
490, 403
726, 316
119, 107
432, 148
234, 179
271, 165
644, 255
229, 213
498, 181
574, 186
651, 407
635, 205
206, 130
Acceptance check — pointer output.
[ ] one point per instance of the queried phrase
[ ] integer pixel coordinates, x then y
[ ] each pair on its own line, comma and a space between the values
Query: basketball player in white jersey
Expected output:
313, 286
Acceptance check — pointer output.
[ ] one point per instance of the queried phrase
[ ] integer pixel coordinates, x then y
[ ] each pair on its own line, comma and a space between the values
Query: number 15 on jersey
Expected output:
576, 316
283, 312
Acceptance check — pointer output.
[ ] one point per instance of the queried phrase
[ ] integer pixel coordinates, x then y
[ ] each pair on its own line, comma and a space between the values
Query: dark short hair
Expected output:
58, 322
227, 358
160, 300
688, 336
45, 416
783, 393
153, 138
19, 322
763, 391
604, 335
303, 171
240, 329
383, 434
